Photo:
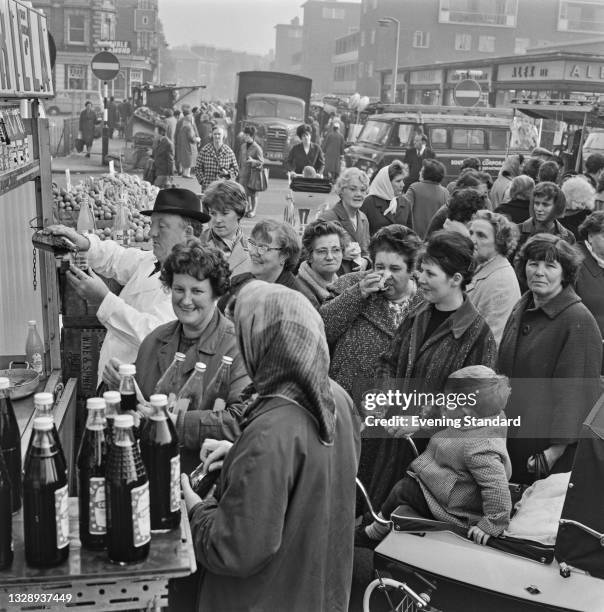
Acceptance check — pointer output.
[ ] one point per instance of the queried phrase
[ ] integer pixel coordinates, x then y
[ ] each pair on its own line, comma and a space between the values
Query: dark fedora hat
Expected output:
177, 201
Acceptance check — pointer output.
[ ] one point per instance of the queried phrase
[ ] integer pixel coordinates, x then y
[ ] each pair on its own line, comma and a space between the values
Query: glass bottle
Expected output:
170, 382
10, 443
218, 389
43, 407
190, 397
91, 464
127, 490
121, 224
6, 519
45, 499
85, 225
159, 450
112, 408
127, 372
34, 349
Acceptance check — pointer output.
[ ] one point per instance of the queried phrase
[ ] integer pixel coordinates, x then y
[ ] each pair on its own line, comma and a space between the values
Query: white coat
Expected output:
142, 305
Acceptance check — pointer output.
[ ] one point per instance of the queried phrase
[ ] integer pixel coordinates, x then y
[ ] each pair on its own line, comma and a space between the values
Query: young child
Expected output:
462, 476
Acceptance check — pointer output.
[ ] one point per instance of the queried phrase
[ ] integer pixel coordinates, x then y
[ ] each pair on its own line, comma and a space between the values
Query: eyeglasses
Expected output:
261, 249
325, 252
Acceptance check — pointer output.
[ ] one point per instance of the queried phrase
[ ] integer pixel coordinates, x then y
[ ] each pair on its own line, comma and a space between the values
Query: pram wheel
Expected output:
398, 596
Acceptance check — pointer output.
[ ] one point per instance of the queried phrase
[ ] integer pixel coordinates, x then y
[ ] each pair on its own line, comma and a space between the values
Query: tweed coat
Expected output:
464, 339
464, 474
560, 346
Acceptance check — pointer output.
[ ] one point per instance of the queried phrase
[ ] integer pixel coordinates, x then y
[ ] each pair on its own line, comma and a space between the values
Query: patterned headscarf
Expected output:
282, 340
382, 188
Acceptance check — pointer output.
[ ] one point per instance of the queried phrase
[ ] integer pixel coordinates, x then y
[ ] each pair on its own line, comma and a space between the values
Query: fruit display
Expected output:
104, 194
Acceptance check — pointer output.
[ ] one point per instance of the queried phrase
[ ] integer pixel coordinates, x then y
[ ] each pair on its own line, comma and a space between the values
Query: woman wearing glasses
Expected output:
323, 246
351, 187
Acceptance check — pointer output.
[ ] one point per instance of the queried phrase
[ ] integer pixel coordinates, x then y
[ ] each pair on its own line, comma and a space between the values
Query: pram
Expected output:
305, 198
472, 578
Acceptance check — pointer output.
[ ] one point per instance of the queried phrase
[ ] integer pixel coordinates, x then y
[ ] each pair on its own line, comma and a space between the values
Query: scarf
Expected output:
282, 341
382, 188
317, 283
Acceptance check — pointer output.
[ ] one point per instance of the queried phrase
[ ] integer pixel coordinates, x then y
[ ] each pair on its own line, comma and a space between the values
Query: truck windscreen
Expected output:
275, 107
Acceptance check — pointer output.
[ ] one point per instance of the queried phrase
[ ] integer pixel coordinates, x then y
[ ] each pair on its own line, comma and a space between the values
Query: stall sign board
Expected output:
467, 93
105, 66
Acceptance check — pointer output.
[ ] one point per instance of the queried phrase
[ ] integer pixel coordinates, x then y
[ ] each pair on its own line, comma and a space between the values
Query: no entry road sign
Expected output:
467, 93
105, 66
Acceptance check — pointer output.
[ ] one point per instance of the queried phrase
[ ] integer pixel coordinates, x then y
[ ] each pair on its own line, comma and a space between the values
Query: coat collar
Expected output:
499, 262
528, 227
589, 263
458, 322
566, 298
344, 219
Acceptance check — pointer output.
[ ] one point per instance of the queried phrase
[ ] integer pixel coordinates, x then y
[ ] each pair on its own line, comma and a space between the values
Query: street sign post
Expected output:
467, 93
105, 67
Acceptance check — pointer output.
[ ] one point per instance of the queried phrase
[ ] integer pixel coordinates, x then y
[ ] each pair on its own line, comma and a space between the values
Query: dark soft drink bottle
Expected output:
43, 407
112, 408
127, 489
45, 499
171, 380
10, 443
127, 372
159, 449
91, 477
6, 519
218, 389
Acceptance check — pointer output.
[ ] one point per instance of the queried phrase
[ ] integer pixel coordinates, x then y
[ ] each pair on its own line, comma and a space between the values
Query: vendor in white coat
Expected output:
494, 288
142, 304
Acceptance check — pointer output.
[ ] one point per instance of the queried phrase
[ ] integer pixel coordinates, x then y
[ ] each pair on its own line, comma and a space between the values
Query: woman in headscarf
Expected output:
517, 208
580, 201
279, 536
386, 203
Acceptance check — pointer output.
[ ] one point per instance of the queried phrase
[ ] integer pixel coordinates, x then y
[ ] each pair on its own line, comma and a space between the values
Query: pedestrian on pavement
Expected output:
163, 159
170, 122
186, 144
427, 196
250, 158
333, 147
305, 153
414, 158
216, 161
86, 126
113, 116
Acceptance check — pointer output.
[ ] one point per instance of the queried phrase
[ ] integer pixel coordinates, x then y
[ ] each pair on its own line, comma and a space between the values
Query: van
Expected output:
594, 143
452, 136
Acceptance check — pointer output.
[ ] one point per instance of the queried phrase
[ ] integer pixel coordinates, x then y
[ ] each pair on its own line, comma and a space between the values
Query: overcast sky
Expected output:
242, 25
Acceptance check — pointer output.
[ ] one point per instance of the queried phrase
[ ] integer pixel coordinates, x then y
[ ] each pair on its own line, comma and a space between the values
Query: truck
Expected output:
161, 97
275, 103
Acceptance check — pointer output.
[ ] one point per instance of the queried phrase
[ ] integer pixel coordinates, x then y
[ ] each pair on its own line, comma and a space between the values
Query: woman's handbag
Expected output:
258, 179
79, 145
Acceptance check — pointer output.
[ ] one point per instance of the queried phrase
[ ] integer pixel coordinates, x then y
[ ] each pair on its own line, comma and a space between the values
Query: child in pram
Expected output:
462, 476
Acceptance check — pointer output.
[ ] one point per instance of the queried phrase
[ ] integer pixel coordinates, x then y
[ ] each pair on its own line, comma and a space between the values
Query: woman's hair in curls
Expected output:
398, 239
452, 252
505, 232
396, 168
319, 228
200, 262
224, 196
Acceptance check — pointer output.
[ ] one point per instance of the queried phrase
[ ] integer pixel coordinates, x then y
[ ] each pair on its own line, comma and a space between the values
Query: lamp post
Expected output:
385, 22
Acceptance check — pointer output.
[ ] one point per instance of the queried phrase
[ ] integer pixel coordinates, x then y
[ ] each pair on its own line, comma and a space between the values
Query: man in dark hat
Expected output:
142, 304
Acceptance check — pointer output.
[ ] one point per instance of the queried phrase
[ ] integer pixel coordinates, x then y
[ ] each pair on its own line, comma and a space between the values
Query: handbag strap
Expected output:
542, 469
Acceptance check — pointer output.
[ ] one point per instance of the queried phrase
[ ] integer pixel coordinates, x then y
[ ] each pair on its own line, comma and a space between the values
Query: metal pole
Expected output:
395, 73
105, 135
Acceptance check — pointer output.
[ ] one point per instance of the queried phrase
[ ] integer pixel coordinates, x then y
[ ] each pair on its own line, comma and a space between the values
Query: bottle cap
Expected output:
159, 399
43, 423
179, 356
127, 369
200, 366
123, 420
95, 403
228, 360
112, 397
32, 322
4, 383
43, 398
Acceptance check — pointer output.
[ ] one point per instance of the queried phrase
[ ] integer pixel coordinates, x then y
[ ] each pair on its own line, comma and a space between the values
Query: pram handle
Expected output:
589, 530
376, 518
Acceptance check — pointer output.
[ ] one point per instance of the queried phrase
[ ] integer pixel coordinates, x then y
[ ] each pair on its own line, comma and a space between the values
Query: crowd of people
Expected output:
477, 286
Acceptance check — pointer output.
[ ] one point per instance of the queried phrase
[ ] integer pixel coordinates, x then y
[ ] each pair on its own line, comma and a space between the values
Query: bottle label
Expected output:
171, 401
36, 362
97, 517
62, 516
181, 406
175, 484
141, 515
219, 404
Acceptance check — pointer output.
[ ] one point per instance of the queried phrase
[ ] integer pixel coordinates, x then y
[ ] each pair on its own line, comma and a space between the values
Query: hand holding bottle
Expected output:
88, 286
213, 452
77, 240
111, 375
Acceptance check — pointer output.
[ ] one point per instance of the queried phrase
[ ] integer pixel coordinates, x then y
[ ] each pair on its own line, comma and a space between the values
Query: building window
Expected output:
75, 76
370, 69
333, 13
76, 30
464, 138
107, 27
581, 16
294, 33
363, 38
421, 40
521, 45
373, 37
486, 44
463, 42
500, 13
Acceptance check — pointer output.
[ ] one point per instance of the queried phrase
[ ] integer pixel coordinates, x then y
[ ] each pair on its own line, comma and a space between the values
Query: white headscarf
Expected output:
382, 188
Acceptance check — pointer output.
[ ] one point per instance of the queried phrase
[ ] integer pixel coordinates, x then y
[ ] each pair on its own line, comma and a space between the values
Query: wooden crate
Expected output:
80, 349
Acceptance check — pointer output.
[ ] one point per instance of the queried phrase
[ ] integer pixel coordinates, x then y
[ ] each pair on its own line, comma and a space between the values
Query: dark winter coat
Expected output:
516, 210
560, 345
464, 339
163, 157
86, 126
414, 160
374, 207
297, 159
